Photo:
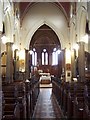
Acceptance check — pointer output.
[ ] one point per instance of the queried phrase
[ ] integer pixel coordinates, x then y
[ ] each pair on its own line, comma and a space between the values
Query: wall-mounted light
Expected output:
85, 38
22, 54
4, 39
31, 52
76, 46
54, 49
58, 51
68, 56
14, 47
22, 60
44, 50
34, 49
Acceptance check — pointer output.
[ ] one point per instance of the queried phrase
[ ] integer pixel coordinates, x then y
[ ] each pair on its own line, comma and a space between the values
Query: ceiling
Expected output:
64, 6
33, 15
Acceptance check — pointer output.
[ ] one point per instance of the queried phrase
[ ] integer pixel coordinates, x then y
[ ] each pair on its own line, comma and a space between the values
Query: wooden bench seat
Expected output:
8, 117
13, 93
79, 107
9, 107
24, 100
70, 104
11, 112
9, 100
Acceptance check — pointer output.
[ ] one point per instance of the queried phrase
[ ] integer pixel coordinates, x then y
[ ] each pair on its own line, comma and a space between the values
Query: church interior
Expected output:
44, 60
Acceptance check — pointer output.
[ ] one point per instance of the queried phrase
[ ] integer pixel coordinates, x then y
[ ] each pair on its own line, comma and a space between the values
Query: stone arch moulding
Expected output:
8, 27
34, 29
57, 4
82, 22
73, 34
17, 38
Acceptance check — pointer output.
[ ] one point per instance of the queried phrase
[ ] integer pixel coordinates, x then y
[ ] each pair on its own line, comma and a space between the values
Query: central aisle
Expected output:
47, 106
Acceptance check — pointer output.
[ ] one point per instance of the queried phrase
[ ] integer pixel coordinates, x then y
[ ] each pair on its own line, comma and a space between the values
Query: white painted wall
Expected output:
49, 14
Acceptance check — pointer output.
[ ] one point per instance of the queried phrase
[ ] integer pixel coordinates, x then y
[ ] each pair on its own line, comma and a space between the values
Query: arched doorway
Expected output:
45, 45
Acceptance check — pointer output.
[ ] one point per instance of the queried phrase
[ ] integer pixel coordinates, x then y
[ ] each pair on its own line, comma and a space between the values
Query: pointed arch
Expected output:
34, 29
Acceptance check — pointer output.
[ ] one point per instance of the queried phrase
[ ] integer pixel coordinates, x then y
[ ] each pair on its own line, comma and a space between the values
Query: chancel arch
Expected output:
42, 13
45, 41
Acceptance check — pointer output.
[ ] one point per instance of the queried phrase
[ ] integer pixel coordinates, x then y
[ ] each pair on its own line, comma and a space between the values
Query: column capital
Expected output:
9, 43
26, 49
16, 50
0, 32
81, 42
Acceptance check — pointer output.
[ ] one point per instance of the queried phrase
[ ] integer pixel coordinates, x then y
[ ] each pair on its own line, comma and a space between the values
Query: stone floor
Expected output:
47, 107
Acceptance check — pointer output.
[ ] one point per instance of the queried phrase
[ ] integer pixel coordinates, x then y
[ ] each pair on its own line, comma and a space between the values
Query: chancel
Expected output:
44, 60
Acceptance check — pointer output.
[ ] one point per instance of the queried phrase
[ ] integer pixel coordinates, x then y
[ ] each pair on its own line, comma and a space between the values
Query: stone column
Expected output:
89, 49
89, 43
50, 57
38, 56
27, 72
63, 64
59, 65
16, 64
73, 63
0, 81
9, 62
81, 62
88, 11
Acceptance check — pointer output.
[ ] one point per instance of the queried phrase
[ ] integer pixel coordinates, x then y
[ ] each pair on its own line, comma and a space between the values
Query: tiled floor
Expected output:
47, 107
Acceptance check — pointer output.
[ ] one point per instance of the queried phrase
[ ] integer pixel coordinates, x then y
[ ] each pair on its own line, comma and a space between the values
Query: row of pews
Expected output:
19, 99
73, 98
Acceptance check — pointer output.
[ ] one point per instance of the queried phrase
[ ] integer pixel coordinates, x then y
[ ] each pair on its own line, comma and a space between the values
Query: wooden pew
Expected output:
87, 102
56, 84
79, 101
34, 92
70, 100
87, 111
79, 107
17, 92
11, 112
70, 103
10, 107
65, 92
21, 98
